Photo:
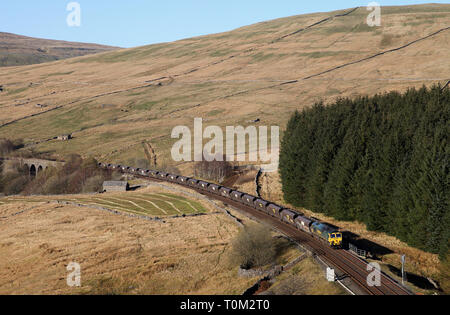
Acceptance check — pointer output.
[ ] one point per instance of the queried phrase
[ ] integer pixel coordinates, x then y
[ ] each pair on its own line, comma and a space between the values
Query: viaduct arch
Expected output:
34, 166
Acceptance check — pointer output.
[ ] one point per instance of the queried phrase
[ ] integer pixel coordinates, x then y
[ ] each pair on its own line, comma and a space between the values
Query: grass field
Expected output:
123, 255
117, 254
149, 204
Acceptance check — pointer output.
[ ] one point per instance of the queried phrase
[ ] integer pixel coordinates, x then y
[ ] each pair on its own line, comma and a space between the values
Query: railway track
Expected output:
342, 260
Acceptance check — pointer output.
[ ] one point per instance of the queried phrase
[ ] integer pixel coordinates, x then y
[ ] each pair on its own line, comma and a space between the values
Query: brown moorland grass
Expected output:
19, 50
117, 254
123, 255
305, 278
111, 102
154, 204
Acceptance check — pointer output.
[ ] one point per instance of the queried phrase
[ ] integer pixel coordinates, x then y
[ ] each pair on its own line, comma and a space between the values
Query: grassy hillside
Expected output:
160, 205
16, 50
114, 101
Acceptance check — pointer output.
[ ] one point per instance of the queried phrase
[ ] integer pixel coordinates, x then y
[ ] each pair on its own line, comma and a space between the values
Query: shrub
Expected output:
292, 285
215, 170
2, 185
36, 186
15, 179
6, 146
89, 163
253, 247
387, 40
55, 185
14, 185
93, 184
73, 163
75, 182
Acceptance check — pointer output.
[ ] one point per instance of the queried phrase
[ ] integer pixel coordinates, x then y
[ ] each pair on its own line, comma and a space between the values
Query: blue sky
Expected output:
133, 23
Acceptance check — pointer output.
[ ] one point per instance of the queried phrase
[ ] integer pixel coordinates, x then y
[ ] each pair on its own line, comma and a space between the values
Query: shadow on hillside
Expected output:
375, 250
418, 281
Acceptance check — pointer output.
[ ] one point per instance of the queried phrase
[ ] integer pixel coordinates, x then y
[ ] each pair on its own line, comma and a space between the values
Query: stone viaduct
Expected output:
33, 165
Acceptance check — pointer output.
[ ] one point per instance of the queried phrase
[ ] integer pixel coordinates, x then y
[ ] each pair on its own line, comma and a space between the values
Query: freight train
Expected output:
316, 228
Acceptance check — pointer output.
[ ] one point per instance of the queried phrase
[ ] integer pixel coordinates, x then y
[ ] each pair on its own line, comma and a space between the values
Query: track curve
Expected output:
347, 263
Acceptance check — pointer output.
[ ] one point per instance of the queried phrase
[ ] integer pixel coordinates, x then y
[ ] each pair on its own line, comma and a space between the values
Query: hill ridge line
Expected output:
329, 70
186, 73
245, 91
317, 23
260, 46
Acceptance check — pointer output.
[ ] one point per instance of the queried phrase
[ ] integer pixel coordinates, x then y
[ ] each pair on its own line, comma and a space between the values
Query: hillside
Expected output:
113, 101
16, 50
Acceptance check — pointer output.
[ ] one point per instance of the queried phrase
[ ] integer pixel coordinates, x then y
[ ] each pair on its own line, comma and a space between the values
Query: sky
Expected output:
134, 23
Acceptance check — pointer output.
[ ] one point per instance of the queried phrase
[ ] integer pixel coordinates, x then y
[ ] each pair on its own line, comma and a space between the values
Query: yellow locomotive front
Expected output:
335, 239
328, 233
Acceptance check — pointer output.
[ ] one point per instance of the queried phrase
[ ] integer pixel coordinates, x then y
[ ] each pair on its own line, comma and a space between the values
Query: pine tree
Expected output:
382, 160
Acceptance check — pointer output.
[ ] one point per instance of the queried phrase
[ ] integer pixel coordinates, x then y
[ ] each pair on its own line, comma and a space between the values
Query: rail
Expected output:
346, 262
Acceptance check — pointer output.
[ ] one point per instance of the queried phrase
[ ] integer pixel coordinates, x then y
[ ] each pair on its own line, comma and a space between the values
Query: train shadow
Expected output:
418, 281
375, 250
